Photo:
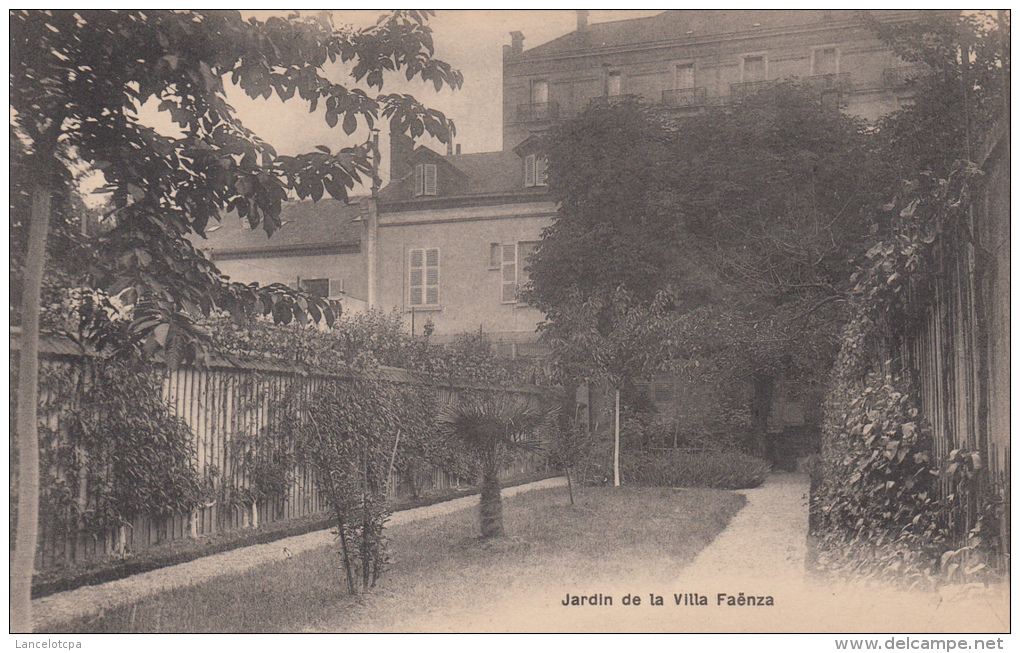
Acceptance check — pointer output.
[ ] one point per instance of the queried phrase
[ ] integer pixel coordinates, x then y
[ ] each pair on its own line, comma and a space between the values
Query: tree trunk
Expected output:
491, 504
26, 540
616, 444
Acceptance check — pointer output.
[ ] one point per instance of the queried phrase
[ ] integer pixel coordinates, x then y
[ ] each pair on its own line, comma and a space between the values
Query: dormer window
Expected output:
535, 170
425, 179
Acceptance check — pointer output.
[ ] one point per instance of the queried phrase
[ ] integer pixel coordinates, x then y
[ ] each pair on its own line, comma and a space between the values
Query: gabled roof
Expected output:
327, 223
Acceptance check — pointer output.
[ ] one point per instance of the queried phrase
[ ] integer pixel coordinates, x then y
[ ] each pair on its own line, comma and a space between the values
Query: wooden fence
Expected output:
960, 355
221, 402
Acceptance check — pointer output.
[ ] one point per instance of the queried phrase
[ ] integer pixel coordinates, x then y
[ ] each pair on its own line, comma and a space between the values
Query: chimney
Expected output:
516, 42
401, 148
458, 149
582, 20
449, 147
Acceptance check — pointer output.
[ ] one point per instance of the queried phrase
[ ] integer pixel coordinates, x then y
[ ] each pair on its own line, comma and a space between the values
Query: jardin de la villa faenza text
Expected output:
685, 599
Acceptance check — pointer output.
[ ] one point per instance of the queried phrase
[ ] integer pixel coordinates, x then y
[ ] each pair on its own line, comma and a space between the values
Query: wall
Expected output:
287, 269
470, 292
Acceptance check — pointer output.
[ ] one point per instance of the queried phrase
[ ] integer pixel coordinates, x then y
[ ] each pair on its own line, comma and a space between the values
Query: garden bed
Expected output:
612, 540
102, 570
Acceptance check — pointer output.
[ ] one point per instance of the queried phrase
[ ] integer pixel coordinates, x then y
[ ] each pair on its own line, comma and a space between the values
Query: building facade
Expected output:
459, 229
318, 249
690, 59
446, 242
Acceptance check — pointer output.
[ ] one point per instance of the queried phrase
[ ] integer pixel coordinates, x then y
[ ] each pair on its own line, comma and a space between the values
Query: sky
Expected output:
470, 40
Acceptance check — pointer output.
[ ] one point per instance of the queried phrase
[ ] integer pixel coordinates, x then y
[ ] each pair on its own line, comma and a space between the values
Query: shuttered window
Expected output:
534, 170
423, 280
425, 179
513, 274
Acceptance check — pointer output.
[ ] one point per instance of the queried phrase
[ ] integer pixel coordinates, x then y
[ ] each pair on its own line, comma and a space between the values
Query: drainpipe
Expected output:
372, 227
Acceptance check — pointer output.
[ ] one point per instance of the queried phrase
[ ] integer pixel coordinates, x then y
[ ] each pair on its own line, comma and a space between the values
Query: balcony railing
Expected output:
902, 76
538, 112
686, 97
744, 90
830, 82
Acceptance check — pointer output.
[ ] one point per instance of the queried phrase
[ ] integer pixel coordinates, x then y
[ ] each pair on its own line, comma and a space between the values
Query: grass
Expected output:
104, 569
442, 574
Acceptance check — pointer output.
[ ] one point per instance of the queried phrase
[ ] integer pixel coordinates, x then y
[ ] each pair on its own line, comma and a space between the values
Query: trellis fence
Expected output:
961, 353
222, 402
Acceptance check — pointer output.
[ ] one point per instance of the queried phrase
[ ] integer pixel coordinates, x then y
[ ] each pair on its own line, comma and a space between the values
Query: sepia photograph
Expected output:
510, 321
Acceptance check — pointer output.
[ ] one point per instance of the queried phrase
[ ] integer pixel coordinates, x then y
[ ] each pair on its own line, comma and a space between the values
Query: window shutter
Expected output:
336, 288
419, 180
509, 277
540, 171
416, 280
529, 170
430, 178
432, 276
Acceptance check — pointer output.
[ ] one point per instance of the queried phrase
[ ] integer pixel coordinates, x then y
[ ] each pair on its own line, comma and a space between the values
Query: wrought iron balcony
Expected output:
902, 76
830, 82
686, 97
744, 90
538, 112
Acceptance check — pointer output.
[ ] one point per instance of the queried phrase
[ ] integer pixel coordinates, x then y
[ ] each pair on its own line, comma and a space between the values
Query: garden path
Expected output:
761, 553
95, 599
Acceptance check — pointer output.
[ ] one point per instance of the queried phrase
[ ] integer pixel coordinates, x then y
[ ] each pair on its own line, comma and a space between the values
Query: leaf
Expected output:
350, 123
160, 334
331, 118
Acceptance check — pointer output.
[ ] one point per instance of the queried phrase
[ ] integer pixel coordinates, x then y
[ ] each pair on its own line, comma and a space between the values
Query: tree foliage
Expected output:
79, 80
729, 234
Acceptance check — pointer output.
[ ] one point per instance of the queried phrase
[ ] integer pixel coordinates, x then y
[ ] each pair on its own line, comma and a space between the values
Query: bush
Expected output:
724, 470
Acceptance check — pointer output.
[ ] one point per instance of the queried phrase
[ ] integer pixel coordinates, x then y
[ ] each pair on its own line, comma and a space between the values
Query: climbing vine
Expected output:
876, 504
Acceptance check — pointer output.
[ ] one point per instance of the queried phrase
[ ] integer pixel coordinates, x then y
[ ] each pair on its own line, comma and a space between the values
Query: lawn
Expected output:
442, 578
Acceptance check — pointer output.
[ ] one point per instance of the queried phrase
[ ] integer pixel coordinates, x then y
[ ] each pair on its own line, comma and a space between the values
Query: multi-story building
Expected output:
459, 229
691, 59
447, 240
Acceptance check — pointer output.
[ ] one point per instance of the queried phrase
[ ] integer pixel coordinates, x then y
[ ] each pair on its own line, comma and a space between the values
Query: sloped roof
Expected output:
325, 223
485, 173
668, 26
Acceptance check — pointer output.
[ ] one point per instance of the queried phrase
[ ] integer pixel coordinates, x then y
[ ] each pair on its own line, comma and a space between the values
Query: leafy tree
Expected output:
78, 79
491, 427
741, 221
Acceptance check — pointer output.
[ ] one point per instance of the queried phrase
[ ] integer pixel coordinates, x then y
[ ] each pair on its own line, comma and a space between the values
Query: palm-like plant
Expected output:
490, 427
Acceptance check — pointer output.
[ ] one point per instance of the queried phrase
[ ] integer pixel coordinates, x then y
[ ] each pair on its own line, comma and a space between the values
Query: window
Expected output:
424, 277
540, 91
754, 68
614, 83
513, 273
325, 288
509, 274
495, 256
684, 76
535, 170
317, 287
826, 61
424, 179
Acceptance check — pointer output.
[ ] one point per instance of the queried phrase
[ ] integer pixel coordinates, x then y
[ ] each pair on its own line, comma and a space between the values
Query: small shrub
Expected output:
724, 470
